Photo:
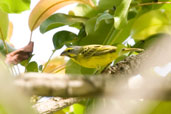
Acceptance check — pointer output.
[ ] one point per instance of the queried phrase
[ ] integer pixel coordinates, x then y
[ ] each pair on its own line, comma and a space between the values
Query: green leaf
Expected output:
120, 58
32, 67
150, 23
63, 38
26, 62
2, 110
165, 6
74, 68
163, 107
58, 20
98, 36
104, 16
78, 108
84, 11
2, 49
14, 6
121, 13
123, 33
108, 4
3, 25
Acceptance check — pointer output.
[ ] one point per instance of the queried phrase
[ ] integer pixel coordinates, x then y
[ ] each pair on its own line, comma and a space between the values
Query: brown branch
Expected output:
152, 3
58, 85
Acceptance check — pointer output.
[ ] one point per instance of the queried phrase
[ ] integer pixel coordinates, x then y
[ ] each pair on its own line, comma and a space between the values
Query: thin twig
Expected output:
48, 61
152, 3
31, 36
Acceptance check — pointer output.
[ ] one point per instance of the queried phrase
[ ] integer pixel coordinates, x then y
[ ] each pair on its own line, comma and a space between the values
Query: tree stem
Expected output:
152, 3
48, 60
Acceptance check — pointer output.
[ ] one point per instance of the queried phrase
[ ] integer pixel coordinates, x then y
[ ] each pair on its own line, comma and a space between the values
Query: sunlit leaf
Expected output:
84, 10
56, 64
3, 25
45, 8
32, 67
165, 6
150, 23
78, 108
14, 6
58, 20
63, 38
10, 31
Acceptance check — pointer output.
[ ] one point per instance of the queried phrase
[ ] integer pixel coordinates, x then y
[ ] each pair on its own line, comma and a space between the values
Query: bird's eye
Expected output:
69, 50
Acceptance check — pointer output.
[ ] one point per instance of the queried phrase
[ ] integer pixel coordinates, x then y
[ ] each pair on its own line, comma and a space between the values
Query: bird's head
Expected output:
71, 51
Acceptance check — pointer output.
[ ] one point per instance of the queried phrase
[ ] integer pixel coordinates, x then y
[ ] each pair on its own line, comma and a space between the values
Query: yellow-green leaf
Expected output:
3, 25
150, 23
47, 7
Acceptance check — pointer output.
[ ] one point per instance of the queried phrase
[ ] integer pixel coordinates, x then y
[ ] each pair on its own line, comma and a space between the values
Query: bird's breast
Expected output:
95, 61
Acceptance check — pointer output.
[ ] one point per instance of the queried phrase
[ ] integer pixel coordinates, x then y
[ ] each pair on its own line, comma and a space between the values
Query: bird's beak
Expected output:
63, 53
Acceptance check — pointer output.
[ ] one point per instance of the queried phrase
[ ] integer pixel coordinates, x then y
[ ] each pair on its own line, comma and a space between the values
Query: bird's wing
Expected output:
96, 50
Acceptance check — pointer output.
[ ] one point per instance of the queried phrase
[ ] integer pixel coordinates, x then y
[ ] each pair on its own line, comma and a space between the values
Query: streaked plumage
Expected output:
94, 56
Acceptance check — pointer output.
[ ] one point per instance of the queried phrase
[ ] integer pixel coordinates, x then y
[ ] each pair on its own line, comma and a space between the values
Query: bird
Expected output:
95, 56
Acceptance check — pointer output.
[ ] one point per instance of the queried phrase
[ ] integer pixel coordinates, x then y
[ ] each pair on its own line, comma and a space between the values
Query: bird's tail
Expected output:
132, 49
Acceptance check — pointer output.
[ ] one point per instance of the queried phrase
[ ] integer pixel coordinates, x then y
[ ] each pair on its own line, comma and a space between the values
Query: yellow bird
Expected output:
95, 56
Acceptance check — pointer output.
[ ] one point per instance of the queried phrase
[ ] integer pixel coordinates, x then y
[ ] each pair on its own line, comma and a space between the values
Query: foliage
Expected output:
108, 22
14, 6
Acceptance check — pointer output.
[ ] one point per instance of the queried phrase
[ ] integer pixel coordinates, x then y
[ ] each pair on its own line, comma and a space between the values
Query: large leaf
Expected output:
45, 8
63, 37
165, 6
150, 23
108, 4
103, 16
58, 20
14, 6
121, 13
122, 34
3, 25
95, 36
74, 68
55, 65
84, 10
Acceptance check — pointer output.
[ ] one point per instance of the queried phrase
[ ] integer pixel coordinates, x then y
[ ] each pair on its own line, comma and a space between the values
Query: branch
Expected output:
55, 104
43, 84
54, 85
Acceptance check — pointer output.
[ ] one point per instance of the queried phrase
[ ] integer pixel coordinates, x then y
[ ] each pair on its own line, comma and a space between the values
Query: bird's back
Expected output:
93, 56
